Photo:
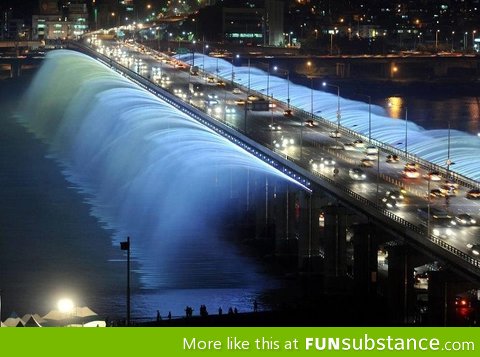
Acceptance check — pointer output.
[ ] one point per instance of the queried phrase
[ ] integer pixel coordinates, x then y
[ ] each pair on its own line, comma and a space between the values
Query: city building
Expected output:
11, 28
60, 20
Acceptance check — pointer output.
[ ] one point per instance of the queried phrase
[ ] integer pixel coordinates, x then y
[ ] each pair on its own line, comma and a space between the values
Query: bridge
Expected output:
315, 225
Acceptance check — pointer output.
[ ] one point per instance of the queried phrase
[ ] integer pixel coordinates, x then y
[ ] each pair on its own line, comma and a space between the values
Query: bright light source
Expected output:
65, 305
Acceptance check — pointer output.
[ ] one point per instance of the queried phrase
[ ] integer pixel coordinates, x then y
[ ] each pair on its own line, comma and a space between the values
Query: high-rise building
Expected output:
274, 18
60, 20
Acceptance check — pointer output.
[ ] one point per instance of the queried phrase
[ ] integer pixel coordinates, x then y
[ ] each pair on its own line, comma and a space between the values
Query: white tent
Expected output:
32, 322
37, 318
78, 316
13, 322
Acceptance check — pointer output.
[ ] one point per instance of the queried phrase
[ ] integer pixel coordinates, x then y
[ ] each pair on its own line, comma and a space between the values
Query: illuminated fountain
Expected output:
432, 145
148, 171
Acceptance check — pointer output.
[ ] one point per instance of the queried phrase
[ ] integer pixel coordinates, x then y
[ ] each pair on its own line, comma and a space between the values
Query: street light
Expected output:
453, 35
369, 116
448, 162
126, 246
436, 40
275, 68
233, 74
332, 32
406, 125
473, 40
268, 79
338, 102
203, 58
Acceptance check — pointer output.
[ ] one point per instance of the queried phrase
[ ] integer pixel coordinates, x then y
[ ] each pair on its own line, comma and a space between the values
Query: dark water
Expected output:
51, 246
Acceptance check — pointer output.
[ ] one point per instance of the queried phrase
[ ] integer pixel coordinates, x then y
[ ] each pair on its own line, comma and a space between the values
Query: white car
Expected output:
357, 174
370, 150
335, 134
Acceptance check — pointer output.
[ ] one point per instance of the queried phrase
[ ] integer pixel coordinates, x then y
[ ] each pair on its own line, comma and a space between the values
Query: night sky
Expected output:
22, 9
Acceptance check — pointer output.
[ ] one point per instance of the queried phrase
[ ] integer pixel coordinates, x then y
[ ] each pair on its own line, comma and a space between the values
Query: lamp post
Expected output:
448, 161
233, 58
126, 246
453, 35
473, 40
287, 72
465, 41
203, 59
339, 115
369, 116
248, 89
268, 79
406, 126
436, 40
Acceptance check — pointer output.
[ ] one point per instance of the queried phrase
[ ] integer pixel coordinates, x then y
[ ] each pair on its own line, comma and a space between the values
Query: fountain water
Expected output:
428, 144
148, 170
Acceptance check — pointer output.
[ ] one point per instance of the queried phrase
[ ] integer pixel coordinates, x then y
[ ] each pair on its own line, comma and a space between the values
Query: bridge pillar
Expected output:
402, 260
335, 262
15, 69
443, 288
286, 242
365, 259
342, 69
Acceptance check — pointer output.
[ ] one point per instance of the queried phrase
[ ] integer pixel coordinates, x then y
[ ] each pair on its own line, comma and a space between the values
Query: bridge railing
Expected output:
256, 149
387, 148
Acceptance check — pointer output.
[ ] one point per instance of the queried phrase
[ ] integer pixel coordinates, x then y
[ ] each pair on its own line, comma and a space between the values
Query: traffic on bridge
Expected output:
422, 193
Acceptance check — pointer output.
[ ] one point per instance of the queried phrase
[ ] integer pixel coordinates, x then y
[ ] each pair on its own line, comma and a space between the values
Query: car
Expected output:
371, 156
274, 127
465, 219
421, 279
288, 112
357, 174
230, 110
473, 194
390, 203
210, 80
211, 102
395, 194
358, 143
252, 97
323, 162
328, 161
335, 134
448, 190
452, 184
221, 84
310, 123
349, 147
433, 176
371, 150
366, 163
240, 102
392, 158
434, 193
411, 165
236, 91
283, 142
411, 173
443, 232
474, 248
